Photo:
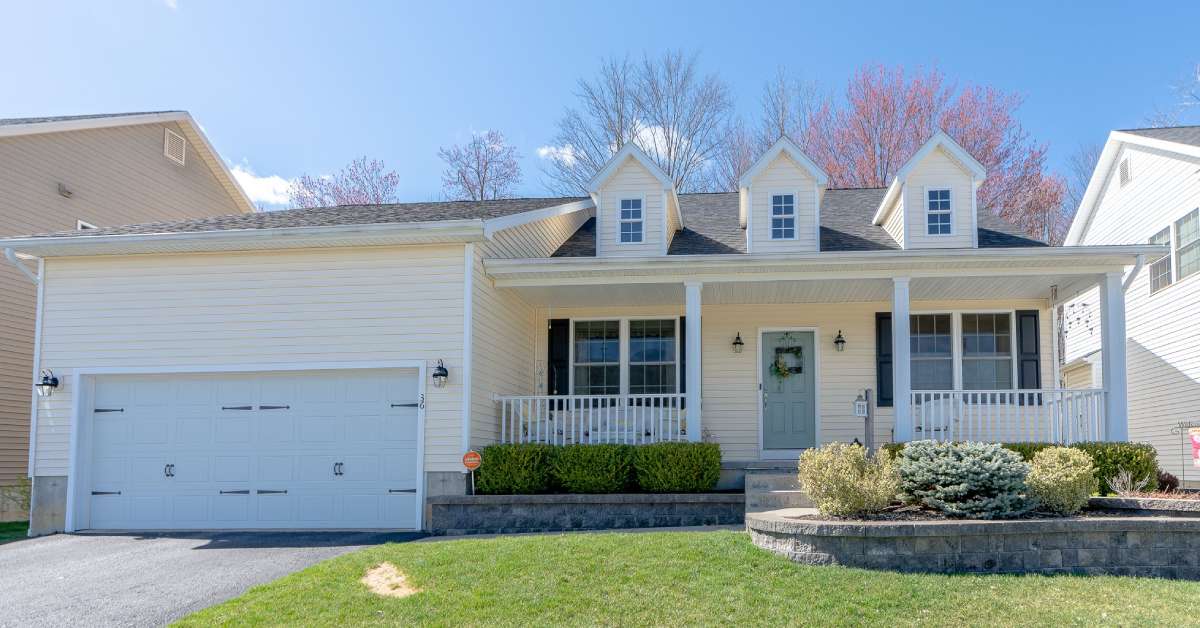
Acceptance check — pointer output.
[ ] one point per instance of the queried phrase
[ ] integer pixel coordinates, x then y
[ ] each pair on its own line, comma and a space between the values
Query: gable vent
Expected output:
174, 147
1126, 173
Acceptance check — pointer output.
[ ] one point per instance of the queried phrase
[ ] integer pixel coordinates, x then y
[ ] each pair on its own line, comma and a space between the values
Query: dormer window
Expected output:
938, 215
632, 222
783, 217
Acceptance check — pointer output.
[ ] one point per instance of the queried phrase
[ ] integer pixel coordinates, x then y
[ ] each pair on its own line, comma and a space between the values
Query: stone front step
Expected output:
771, 481
760, 501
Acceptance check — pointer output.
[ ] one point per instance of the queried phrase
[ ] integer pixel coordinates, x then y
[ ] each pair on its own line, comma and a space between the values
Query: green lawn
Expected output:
679, 578
13, 530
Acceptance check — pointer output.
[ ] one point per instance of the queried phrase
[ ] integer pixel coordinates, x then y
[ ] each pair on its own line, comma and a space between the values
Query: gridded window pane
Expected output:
631, 231
1160, 270
631, 220
1187, 241
783, 216
930, 343
987, 351
938, 215
652, 357
597, 358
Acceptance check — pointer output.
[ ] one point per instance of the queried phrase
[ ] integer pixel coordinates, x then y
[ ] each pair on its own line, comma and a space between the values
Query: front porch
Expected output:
977, 360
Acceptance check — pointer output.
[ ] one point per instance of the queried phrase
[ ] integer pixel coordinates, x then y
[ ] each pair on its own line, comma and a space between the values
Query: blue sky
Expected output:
287, 88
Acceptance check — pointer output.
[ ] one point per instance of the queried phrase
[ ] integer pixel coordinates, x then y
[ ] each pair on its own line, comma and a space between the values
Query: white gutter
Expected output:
1133, 273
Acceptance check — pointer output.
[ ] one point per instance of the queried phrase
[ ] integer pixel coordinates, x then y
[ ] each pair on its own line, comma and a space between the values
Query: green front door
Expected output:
788, 392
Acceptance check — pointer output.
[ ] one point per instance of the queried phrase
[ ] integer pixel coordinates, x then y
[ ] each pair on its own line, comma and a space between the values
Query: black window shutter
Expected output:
682, 355
558, 356
1029, 363
883, 359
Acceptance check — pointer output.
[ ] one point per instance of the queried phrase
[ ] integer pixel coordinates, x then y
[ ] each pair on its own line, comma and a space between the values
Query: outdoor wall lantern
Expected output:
860, 407
839, 342
48, 384
440, 375
738, 345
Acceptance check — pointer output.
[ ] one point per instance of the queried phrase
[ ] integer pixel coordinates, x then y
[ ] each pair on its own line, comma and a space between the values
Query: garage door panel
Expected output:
228, 509
275, 469
316, 508
364, 428
320, 430
361, 469
151, 429
397, 470
109, 511
193, 430
228, 469
111, 432
108, 473
190, 510
361, 509
275, 509
190, 470
149, 508
400, 426
232, 430
275, 427
315, 468
148, 472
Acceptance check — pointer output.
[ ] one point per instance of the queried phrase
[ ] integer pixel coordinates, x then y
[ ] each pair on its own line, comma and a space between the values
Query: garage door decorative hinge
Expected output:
237, 407
274, 407
100, 410
402, 490
106, 492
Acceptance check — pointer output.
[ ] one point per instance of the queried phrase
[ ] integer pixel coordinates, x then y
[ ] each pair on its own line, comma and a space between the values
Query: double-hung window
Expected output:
652, 357
931, 342
638, 357
938, 214
978, 355
1160, 270
632, 222
987, 358
597, 354
1187, 244
783, 217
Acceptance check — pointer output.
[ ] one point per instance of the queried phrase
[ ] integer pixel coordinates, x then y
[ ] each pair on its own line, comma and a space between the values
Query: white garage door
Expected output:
319, 449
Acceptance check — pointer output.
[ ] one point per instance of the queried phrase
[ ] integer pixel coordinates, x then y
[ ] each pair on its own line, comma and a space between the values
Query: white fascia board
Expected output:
784, 145
889, 198
493, 225
627, 152
222, 169
58, 126
247, 239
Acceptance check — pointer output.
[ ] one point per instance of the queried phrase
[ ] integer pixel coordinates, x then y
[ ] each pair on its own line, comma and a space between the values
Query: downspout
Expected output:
1133, 273
37, 357
468, 341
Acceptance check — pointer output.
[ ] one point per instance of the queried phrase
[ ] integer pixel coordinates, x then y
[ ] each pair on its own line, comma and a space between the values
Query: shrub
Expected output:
842, 480
516, 469
1027, 450
1167, 482
891, 450
677, 467
1139, 459
1061, 479
594, 468
964, 479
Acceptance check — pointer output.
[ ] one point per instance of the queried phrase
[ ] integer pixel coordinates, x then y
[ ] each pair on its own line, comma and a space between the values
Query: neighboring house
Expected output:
84, 172
284, 369
1146, 189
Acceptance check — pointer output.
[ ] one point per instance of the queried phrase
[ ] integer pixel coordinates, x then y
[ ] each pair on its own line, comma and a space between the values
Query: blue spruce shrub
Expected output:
969, 480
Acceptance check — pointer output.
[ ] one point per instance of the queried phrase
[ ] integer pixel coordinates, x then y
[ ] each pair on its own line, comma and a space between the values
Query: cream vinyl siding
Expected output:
673, 224
116, 176
730, 389
893, 223
938, 170
631, 180
287, 308
1077, 376
783, 176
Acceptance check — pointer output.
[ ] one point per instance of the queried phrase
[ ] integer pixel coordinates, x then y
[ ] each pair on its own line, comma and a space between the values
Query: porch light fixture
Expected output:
738, 345
440, 375
47, 385
839, 342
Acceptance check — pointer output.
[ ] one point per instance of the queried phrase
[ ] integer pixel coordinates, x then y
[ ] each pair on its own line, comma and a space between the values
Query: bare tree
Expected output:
484, 168
361, 182
1078, 173
737, 154
663, 105
787, 106
1185, 104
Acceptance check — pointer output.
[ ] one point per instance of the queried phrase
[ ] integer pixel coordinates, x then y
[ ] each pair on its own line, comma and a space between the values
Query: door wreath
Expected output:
784, 366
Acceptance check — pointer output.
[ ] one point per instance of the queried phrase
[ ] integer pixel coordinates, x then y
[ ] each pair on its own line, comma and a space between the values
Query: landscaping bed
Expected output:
1177, 504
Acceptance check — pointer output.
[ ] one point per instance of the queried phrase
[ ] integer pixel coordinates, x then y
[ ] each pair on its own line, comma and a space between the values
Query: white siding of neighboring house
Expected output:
303, 306
1163, 347
631, 180
938, 170
783, 176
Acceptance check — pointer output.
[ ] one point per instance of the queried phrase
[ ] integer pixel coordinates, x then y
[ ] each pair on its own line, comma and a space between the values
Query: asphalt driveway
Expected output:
151, 579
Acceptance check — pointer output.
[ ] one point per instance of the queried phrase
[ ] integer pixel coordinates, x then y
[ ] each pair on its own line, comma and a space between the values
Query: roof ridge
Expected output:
1160, 128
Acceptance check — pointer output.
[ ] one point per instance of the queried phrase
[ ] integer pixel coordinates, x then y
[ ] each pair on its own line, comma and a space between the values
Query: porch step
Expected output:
772, 489
772, 481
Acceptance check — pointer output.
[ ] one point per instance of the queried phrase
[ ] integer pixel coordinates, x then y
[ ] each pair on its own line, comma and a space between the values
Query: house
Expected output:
85, 172
329, 367
1146, 189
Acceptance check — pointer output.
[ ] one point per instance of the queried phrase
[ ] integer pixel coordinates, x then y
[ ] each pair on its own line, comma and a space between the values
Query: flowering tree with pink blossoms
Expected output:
361, 182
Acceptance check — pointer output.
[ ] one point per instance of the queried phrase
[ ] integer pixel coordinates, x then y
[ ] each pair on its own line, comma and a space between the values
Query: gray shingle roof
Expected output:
1180, 134
336, 216
712, 226
90, 116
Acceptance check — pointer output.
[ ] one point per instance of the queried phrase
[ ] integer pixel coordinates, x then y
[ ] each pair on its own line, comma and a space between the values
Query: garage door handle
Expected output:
244, 491
402, 490
237, 407
106, 492
262, 492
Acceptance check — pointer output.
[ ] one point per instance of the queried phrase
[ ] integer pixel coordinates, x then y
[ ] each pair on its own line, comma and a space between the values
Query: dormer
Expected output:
930, 203
780, 201
637, 210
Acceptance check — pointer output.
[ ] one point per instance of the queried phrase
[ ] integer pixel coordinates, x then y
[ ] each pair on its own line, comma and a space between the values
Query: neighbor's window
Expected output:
1187, 244
597, 358
930, 343
632, 224
938, 215
987, 351
1160, 270
783, 217
652, 357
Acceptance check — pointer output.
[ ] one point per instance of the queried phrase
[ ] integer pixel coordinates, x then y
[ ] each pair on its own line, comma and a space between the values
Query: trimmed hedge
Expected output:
1139, 459
528, 468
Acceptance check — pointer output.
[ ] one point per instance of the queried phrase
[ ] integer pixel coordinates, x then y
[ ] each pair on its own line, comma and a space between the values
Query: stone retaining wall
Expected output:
493, 514
1166, 547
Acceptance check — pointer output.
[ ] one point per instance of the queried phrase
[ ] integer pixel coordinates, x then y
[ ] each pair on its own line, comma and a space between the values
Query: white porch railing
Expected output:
589, 419
1007, 416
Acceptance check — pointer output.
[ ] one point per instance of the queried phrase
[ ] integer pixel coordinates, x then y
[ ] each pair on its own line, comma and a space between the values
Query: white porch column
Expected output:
691, 291
901, 373
1112, 347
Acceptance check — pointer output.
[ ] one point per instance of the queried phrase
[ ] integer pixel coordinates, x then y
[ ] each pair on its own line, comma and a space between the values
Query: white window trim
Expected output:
795, 194
623, 347
621, 221
1173, 243
81, 224
956, 341
928, 212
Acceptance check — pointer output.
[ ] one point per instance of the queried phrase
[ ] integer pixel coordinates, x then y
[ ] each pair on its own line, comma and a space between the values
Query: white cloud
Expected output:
171, 4
270, 191
564, 154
